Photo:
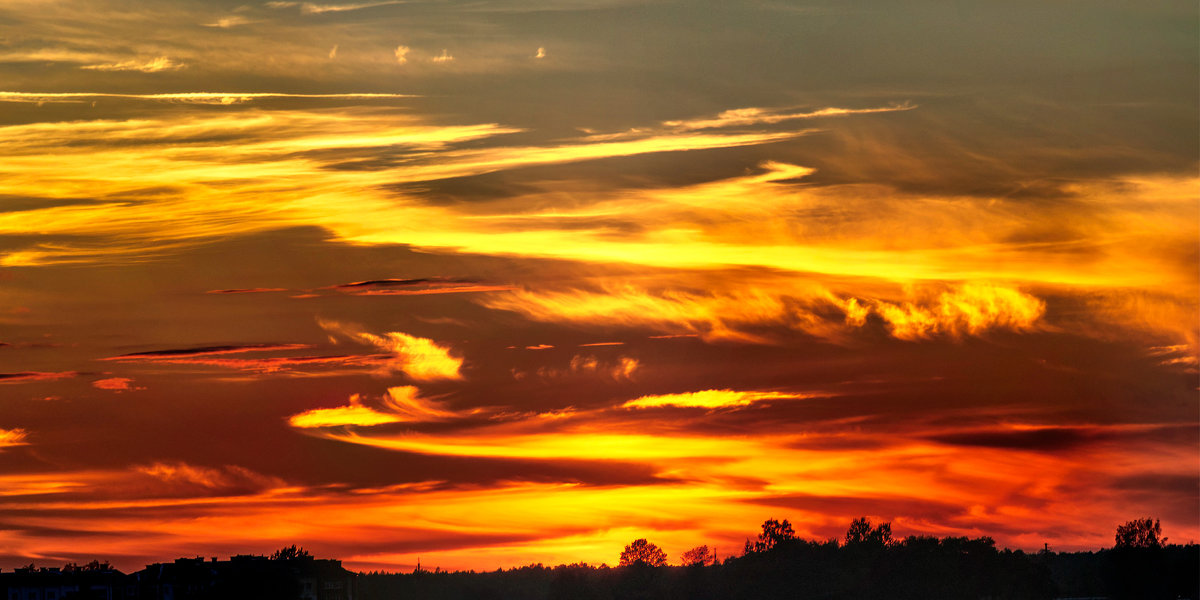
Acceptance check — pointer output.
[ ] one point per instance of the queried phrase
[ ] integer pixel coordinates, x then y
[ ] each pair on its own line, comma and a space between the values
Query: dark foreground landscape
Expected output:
868, 563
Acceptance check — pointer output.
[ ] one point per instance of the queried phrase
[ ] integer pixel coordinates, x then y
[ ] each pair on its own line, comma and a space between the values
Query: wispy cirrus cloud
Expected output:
154, 65
745, 117
231, 479
311, 8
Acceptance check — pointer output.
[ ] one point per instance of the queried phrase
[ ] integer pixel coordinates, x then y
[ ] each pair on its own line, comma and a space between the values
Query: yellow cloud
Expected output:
743, 117
709, 399
406, 403
162, 63
420, 358
402, 404
354, 414
967, 309
1132, 235
182, 97
227, 22
310, 8
12, 437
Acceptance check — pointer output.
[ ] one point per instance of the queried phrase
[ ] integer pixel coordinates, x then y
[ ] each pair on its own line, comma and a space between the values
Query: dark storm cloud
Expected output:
1055, 438
246, 291
210, 350
31, 376
382, 283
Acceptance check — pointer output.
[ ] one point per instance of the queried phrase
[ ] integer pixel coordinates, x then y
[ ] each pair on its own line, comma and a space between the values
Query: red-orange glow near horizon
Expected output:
431, 294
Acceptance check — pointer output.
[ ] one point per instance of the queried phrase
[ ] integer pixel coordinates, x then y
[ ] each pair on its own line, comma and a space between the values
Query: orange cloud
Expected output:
12, 437
622, 369
714, 489
1004, 481
115, 384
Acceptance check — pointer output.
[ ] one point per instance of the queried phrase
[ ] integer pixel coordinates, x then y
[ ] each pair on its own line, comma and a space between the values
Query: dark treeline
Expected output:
867, 564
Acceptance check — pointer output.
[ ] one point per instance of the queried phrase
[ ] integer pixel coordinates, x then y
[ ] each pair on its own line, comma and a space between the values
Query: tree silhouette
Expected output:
291, 553
700, 555
861, 532
773, 534
642, 551
1140, 533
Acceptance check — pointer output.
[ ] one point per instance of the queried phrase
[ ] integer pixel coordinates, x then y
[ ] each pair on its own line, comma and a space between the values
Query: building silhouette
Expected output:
240, 577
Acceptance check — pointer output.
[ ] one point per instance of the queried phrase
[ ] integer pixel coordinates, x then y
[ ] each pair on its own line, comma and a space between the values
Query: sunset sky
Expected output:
497, 282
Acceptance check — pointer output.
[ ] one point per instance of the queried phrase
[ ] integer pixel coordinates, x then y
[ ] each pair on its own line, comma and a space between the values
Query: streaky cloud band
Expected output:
193, 97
